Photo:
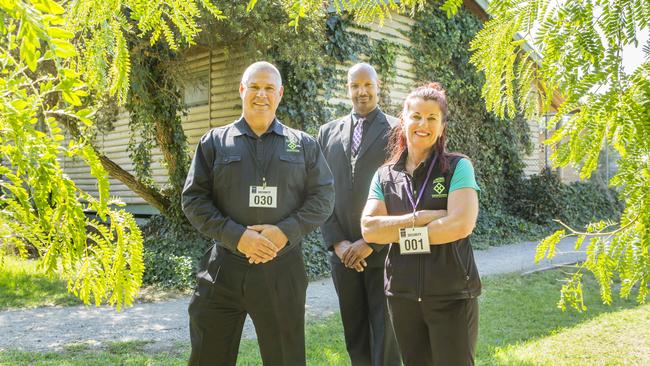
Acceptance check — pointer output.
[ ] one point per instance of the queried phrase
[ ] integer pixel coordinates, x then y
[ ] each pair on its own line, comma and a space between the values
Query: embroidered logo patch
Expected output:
292, 144
439, 188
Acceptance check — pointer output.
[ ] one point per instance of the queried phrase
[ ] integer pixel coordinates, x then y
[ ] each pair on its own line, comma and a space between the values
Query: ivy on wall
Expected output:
496, 146
383, 56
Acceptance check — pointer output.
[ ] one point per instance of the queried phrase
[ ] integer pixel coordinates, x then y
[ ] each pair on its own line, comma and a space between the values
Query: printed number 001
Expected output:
412, 244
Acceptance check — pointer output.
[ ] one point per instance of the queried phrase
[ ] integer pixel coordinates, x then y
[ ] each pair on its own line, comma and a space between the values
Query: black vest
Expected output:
449, 271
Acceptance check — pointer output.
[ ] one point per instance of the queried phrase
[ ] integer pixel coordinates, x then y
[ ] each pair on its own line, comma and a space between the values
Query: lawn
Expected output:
25, 285
520, 325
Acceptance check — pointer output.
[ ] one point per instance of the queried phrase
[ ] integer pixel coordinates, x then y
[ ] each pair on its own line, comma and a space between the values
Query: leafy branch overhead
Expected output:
534, 52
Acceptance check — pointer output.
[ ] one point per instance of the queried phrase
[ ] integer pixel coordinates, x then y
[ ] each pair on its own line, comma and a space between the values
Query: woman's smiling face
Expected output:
422, 123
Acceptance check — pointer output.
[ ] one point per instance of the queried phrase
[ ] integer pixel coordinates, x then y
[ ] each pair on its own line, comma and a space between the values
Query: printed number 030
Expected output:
263, 200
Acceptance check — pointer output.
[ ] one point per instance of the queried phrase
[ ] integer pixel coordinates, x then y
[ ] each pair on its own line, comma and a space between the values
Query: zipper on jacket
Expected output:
420, 279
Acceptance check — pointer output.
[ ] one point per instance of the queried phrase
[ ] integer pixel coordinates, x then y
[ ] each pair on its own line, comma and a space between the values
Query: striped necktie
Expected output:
356, 136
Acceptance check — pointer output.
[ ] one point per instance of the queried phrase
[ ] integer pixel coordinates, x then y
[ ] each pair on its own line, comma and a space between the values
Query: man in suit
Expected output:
355, 146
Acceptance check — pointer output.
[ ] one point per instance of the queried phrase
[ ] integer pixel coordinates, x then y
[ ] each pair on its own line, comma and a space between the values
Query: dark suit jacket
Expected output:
352, 192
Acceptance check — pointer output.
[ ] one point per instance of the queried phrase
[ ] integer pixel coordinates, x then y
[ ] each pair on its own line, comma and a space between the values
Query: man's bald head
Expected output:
363, 88
260, 66
364, 68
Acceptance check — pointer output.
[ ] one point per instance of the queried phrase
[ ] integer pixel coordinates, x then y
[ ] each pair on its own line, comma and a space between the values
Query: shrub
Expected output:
589, 202
542, 198
538, 199
316, 256
171, 253
494, 227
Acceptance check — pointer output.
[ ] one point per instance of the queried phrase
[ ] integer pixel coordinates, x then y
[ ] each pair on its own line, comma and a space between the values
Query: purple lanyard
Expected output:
410, 195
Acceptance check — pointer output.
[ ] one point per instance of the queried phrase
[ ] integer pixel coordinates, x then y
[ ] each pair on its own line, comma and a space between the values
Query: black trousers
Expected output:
273, 294
369, 337
435, 332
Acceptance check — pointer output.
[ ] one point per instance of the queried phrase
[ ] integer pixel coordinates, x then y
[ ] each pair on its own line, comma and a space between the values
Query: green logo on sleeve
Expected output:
439, 188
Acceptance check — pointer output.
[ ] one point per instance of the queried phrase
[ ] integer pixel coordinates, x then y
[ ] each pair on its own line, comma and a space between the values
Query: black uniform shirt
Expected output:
231, 158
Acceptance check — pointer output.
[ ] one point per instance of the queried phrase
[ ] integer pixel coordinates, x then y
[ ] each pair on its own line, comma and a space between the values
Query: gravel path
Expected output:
165, 323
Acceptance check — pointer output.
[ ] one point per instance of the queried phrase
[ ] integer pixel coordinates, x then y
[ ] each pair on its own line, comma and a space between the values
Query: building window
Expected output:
197, 89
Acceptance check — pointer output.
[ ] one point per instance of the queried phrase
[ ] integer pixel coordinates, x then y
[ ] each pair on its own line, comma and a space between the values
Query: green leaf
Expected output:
251, 5
56, 32
28, 52
63, 49
548, 246
71, 98
48, 6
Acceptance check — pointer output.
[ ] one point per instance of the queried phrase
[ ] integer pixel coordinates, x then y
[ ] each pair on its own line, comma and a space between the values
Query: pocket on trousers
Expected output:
210, 265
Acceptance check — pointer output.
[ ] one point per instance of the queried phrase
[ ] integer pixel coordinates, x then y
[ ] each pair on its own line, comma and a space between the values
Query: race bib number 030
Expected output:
414, 240
263, 197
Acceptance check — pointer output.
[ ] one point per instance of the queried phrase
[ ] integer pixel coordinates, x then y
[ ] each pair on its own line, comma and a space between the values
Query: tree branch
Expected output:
609, 233
149, 194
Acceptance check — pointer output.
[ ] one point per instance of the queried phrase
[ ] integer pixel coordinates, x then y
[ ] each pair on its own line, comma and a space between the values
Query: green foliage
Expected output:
368, 11
40, 206
315, 256
383, 56
496, 226
578, 54
586, 202
543, 198
343, 45
172, 252
539, 198
103, 29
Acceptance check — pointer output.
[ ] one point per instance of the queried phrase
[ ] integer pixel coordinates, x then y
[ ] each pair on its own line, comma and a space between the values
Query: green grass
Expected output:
520, 325
24, 285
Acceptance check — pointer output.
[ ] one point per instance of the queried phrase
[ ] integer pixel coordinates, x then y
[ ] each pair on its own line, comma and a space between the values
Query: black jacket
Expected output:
352, 191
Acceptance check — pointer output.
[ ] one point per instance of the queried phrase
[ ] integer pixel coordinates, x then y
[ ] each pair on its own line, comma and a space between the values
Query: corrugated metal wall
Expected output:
221, 75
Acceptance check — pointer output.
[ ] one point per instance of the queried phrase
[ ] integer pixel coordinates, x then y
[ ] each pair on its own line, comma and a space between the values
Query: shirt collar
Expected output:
241, 127
369, 117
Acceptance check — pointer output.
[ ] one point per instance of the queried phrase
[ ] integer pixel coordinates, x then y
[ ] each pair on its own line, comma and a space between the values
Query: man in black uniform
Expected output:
256, 187
355, 146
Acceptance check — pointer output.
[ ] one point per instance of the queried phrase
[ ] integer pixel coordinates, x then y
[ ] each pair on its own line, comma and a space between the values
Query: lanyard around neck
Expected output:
414, 203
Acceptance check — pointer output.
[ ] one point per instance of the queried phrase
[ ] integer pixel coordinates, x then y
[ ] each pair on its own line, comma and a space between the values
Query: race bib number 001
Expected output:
263, 197
414, 240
